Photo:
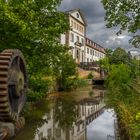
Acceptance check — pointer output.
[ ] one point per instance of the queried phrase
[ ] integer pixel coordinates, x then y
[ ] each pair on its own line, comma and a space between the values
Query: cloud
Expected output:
96, 30
101, 127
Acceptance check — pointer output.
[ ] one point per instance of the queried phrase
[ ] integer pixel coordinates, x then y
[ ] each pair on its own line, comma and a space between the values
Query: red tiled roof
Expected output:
94, 45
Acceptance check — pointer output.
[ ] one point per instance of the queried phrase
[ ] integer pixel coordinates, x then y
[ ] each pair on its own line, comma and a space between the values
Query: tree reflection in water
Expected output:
65, 112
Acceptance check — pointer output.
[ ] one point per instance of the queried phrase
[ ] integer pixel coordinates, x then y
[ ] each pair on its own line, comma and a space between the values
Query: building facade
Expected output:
94, 52
75, 38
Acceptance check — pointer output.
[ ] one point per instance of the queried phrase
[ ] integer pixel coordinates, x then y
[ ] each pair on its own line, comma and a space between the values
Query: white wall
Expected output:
93, 55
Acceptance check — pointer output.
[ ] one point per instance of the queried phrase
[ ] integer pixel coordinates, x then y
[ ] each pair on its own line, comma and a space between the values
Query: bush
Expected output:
81, 83
90, 76
38, 88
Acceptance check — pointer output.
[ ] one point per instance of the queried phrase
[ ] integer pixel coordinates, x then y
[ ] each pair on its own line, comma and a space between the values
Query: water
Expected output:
78, 115
102, 127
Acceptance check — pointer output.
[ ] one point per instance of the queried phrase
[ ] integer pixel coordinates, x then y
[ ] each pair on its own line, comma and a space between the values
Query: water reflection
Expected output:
103, 127
68, 117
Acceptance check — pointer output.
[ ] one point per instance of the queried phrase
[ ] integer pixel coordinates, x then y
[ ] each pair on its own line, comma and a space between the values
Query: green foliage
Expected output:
65, 111
119, 79
123, 86
90, 76
34, 27
108, 52
64, 70
104, 63
91, 93
123, 96
81, 83
38, 88
119, 56
126, 15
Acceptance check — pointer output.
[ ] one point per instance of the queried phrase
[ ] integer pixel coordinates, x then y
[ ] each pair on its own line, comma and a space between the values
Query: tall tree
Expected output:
126, 14
34, 27
119, 56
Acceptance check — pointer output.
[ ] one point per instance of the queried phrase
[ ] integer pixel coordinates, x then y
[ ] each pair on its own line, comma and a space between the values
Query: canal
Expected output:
77, 115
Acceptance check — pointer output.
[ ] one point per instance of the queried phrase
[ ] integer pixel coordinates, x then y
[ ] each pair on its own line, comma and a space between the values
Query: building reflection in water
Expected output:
68, 119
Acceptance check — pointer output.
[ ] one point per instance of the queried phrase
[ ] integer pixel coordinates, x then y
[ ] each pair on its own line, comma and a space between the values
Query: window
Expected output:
77, 15
97, 54
72, 37
74, 24
87, 60
83, 124
93, 52
82, 41
88, 111
88, 50
77, 38
82, 29
83, 110
77, 54
77, 27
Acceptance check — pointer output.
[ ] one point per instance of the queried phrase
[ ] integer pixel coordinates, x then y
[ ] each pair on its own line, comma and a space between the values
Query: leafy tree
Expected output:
64, 70
34, 27
119, 56
123, 91
123, 96
108, 52
126, 14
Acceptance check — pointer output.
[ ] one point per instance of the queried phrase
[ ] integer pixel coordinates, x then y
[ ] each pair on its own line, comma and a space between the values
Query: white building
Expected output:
75, 38
94, 52
135, 53
81, 48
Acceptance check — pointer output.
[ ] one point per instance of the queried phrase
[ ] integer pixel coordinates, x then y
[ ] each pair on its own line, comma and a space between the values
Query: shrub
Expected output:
90, 75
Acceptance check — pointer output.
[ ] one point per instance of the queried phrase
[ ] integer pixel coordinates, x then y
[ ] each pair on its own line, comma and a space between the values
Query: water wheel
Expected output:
13, 84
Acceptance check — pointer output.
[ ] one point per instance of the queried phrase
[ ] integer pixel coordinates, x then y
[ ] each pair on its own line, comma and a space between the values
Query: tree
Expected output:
64, 70
65, 113
123, 96
108, 52
34, 27
119, 56
126, 14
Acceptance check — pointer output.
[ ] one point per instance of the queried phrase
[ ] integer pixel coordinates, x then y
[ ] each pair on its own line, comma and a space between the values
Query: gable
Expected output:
78, 15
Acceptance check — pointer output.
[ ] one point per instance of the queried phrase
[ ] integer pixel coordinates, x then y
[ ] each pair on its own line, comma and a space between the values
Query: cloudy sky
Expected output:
96, 30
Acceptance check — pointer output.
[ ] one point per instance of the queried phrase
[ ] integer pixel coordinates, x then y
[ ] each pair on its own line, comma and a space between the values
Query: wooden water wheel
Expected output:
13, 84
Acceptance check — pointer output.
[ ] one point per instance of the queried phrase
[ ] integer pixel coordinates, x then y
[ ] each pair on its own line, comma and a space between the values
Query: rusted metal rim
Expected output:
13, 84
